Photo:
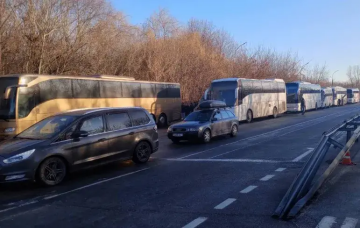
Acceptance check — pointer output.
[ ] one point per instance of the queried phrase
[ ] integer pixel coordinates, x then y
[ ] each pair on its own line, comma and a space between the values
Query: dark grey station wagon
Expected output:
78, 139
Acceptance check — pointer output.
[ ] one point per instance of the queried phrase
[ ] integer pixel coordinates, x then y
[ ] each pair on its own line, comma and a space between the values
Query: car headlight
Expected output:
19, 157
193, 129
9, 130
169, 129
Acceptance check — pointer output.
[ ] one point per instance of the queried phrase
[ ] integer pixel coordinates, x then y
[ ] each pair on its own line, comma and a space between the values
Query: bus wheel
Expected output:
249, 116
275, 112
162, 120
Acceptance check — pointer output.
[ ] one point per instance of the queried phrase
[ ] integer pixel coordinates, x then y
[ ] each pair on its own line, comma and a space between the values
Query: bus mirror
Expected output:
8, 90
206, 94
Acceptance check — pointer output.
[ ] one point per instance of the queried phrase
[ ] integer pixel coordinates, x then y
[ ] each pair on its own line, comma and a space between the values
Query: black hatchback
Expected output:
78, 139
212, 119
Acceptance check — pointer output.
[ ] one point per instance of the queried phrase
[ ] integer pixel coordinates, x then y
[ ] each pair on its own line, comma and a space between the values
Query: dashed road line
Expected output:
267, 177
195, 222
326, 222
349, 223
226, 160
224, 204
280, 169
248, 189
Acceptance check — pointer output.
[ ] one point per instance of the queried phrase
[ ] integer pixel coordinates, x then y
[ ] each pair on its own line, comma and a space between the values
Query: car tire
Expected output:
249, 116
234, 131
142, 152
275, 113
162, 122
206, 136
52, 171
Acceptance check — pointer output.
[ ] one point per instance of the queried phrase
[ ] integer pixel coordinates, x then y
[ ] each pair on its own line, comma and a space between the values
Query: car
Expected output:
209, 120
50, 149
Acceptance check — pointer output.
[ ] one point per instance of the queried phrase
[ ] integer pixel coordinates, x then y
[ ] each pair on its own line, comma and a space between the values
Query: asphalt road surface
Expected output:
231, 182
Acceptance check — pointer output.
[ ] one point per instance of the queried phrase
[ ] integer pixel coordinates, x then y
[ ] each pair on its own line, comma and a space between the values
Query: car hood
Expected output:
15, 146
187, 124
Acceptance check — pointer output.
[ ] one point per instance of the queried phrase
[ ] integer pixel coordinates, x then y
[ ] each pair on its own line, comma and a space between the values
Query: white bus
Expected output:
353, 95
326, 97
339, 95
250, 98
310, 92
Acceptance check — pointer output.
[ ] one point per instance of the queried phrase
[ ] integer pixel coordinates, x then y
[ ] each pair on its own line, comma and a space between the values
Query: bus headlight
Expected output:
9, 130
19, 157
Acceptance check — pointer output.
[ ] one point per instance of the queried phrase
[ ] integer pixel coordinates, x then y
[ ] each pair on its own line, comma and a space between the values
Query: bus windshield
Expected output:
223, 91
292, 91
7, 106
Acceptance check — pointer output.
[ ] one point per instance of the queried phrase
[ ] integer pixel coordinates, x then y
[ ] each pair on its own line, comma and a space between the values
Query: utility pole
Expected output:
332, 78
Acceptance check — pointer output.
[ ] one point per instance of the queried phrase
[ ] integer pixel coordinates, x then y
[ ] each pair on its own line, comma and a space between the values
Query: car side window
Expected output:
139, 117
93, 125
224, 114
217, 115
118, 121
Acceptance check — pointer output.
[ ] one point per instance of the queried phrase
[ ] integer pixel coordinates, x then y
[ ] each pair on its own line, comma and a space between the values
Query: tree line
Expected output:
87, 37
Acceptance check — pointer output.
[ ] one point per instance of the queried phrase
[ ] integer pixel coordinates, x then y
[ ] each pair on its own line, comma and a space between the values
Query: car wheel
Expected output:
234, 131
275, 112
249, 116
162, 121
52, 171
142, 153
206, 136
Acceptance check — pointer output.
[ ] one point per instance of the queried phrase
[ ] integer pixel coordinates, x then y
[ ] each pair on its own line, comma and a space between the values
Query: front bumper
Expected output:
17, 172
188, 135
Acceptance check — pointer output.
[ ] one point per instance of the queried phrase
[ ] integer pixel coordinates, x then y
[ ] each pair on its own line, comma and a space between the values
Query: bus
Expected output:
249, 98
339, 95
353, 95
310, 92
326, 97
26, 98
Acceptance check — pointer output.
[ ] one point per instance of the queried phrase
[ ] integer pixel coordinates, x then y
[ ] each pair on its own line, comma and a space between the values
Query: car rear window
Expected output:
230, 114
139, 117
118, 121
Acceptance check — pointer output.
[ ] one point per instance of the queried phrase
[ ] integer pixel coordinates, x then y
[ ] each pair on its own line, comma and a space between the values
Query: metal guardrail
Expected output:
302, 188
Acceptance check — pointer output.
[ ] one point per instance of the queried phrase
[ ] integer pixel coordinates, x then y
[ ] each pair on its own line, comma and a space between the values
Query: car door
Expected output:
86, 150
216, 125
121, 134
226, 122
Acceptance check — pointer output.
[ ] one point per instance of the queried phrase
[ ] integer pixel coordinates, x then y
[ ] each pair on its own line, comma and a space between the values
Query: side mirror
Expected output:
79, 134
8, 90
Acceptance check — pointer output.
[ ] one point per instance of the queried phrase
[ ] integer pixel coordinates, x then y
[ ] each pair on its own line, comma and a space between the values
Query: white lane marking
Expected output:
280, 169
349, 223
255, 136
303, 155
77, 189
195, 222
326, 222
267, 177
224, 204
225, 160
248, 189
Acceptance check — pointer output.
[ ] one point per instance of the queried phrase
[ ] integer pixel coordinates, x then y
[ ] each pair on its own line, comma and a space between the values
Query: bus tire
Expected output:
249, 116
275, 112
162, 122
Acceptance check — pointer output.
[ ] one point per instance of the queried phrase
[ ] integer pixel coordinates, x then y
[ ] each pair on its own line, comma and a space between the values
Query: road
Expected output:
231, 182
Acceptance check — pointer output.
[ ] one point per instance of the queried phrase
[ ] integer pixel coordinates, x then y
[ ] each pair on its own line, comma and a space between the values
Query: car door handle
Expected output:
131, 133
102, 140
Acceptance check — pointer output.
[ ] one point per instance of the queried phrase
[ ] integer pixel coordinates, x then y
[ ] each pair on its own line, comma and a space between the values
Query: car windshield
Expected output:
201, 116
47, 128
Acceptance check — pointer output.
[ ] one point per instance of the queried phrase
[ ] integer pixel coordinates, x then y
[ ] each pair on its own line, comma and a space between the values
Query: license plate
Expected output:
178, 135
